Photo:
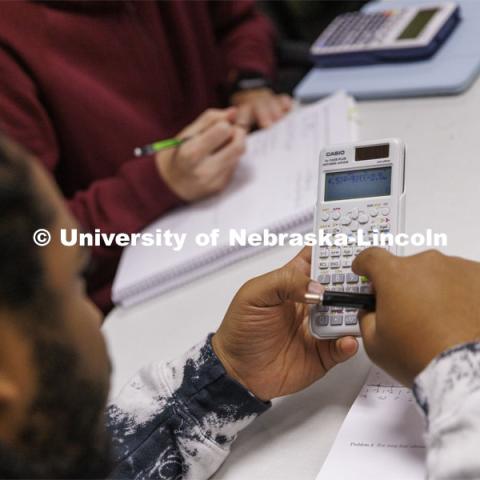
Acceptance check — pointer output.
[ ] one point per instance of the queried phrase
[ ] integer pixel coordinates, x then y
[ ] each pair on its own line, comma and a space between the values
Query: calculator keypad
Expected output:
334, 263
359, 29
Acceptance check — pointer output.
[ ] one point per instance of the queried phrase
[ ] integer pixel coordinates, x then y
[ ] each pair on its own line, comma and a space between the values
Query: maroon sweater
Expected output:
83, 83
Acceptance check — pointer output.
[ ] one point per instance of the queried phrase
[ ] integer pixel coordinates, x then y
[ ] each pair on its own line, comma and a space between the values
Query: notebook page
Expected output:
280, 166
381, 437
275, 181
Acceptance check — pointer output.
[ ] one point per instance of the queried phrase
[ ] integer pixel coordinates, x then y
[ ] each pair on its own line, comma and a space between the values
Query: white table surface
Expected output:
292, 439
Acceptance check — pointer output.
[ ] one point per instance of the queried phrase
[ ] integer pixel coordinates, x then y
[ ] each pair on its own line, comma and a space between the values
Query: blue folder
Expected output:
450, 71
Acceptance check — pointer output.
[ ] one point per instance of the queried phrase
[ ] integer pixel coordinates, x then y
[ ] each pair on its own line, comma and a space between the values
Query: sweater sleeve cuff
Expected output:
218, 404
448, 380
149, 188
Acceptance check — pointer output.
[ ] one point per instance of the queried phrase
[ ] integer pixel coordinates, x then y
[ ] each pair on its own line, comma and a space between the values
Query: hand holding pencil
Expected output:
202, 158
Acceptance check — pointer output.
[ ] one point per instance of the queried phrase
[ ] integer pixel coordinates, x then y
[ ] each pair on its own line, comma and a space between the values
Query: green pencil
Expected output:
159, 145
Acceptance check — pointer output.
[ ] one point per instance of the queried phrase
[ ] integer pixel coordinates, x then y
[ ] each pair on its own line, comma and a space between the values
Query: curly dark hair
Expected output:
63, 438
22, 282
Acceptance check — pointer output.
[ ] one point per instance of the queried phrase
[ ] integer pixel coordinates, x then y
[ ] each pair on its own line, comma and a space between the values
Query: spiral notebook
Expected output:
273, 189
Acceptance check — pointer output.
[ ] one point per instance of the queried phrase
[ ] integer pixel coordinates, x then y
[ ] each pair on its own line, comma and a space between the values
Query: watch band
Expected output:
248, 81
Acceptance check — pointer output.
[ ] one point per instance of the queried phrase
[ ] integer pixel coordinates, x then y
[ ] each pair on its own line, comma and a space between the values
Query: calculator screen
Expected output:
369, 182
418, 23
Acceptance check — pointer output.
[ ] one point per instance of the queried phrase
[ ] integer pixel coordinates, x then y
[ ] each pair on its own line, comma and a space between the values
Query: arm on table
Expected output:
448, 392
179, 419
425, 333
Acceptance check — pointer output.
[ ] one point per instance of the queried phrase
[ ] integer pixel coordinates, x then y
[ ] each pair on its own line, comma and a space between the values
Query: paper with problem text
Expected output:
381, 437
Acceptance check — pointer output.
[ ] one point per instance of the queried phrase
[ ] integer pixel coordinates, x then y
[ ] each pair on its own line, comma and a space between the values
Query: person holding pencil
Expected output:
83, 84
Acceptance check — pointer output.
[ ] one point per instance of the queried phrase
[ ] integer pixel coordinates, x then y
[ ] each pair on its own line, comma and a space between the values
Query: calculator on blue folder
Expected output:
397, 34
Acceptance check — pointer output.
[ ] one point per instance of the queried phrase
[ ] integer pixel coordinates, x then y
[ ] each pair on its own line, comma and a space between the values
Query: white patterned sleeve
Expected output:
448, 392
177, 420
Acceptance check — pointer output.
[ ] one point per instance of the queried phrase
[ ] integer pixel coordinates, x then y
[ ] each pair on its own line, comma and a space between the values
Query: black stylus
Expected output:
364, 301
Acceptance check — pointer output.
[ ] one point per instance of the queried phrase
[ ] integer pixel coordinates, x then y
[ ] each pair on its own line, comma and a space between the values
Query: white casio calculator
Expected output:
360, 186
408, 33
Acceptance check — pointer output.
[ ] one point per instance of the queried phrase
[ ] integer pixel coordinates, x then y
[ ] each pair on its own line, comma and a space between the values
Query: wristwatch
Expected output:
242, 81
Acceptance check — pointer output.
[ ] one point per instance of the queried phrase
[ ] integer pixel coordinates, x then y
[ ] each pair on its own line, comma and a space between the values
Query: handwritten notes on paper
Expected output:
381, 437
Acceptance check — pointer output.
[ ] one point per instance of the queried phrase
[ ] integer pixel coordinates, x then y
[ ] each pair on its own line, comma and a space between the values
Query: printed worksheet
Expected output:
381, 437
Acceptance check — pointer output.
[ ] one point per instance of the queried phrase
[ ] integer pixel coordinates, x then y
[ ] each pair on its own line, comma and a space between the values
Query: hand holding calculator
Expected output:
361, 187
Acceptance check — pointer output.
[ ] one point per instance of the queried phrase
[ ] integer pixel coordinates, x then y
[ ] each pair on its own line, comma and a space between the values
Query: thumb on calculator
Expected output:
264, 340
288, 283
